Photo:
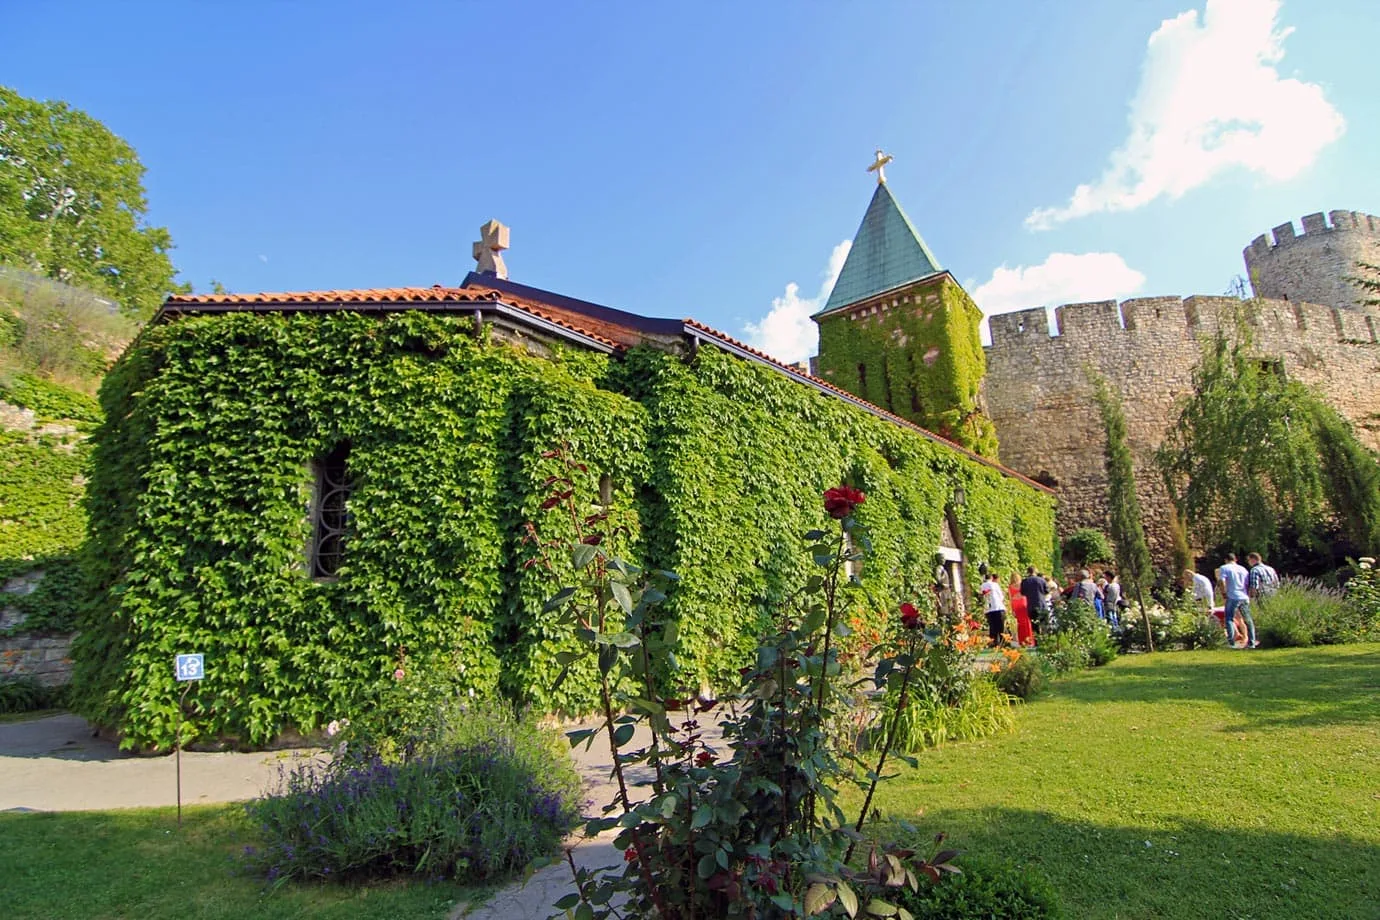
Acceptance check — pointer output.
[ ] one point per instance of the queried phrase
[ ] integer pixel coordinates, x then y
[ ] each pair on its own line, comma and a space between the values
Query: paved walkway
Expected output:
57, 764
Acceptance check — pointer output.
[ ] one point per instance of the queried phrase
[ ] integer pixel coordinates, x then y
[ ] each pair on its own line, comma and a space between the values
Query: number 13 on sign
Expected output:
190, 667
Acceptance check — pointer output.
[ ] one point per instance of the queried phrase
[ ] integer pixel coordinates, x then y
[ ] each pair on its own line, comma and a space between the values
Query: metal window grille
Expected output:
330, 516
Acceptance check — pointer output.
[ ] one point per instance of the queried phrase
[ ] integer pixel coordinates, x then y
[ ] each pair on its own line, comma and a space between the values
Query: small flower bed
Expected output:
481, 796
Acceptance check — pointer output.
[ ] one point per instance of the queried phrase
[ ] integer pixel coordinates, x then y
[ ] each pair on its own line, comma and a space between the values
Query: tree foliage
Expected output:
1253, 452
1123, 507
72, 204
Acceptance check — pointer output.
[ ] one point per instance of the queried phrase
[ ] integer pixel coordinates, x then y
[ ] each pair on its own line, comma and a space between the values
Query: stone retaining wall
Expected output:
46, 658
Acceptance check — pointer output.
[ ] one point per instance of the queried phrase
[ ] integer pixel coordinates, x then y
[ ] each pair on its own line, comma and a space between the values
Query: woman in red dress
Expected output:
1020, 609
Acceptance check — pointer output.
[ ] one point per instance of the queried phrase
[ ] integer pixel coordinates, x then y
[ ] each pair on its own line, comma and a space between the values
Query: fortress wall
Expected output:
1038, 395
1314, 266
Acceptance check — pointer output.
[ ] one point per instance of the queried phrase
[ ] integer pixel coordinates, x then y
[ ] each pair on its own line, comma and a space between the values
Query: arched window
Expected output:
329, 515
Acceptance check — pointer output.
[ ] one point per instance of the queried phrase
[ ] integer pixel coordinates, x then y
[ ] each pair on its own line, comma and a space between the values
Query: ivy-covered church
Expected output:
315, 489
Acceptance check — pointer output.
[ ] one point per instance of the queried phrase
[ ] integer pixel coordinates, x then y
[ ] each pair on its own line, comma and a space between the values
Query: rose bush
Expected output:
755, 829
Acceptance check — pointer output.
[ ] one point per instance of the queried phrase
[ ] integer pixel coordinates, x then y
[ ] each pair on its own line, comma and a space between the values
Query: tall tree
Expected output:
72, 205
1253, 451
1127, 529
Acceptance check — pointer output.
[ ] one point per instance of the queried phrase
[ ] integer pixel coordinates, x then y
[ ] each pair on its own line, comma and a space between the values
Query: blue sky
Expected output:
708, 159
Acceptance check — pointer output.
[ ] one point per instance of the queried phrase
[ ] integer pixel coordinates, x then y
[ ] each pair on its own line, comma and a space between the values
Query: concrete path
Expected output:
57, 764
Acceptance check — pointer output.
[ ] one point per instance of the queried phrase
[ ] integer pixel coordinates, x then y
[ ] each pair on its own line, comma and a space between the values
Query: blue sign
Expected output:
191, 667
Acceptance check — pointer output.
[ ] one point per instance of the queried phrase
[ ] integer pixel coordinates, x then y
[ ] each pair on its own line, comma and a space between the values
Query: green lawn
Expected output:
1208, 785
136, 863
1214, 785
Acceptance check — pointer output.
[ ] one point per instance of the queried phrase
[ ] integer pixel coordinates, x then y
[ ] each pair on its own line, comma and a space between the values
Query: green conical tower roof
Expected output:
887, 253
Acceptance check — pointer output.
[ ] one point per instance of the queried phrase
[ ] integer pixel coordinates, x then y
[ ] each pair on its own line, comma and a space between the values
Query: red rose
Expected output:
703, 759
840, 501
910, 617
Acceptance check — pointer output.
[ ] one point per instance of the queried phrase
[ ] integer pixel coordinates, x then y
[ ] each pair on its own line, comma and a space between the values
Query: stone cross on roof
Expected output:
879, 166
488, 249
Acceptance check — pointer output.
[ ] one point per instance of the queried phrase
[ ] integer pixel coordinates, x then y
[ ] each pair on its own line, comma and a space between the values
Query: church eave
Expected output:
882, 295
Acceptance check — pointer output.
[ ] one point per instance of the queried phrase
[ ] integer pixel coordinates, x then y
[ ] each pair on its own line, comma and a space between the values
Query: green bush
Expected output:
986, 890
928, 721
1363, 597
1133, 628
1305, 612
1025, 677
25, 694
481, 797
1064, 653
1086, 545
1193, 629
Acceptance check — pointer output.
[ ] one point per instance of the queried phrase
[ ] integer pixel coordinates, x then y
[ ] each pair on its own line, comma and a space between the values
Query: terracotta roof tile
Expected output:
434, 294
826, 385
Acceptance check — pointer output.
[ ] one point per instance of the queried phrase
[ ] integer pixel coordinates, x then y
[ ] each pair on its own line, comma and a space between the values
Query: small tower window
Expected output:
329, 514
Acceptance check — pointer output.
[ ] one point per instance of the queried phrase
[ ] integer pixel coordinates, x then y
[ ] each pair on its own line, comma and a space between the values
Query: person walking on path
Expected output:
1262, 581
994, 602
1234, 579
1035, 590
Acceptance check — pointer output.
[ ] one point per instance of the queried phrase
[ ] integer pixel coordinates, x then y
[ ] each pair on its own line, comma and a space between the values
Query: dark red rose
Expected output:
910, 617
840, 501
703, 759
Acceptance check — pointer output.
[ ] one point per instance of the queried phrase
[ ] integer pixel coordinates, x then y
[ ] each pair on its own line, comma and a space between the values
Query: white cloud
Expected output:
1061, 278
1210, 99
787, 333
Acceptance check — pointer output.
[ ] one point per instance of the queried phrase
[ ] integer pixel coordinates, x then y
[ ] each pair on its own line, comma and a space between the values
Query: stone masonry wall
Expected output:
1048, 423
48, 659
1315, 266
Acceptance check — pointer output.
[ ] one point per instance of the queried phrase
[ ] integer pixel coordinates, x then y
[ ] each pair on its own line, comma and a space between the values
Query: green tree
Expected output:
1253, 451
1128, 532
72, 205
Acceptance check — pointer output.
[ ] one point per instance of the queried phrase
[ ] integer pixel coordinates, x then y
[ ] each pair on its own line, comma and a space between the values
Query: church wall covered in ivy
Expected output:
319, 491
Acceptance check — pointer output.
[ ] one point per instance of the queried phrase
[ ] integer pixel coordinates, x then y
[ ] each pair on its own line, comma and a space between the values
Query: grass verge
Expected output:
1208, 785
136, 863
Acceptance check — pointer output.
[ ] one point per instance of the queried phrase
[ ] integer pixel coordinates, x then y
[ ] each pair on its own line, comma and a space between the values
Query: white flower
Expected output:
333, 729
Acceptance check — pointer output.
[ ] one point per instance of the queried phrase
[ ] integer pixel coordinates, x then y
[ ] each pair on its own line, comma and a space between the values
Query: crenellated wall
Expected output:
1317, 265
1048, 424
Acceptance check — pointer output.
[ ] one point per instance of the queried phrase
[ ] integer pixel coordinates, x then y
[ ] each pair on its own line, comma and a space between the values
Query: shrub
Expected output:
987, 889
1102, 649
1161, 624
1363, 597
25, 694
1024, 677
927, 721
1065, 652
1086, 545
1305, 612
1193, 629
483, 795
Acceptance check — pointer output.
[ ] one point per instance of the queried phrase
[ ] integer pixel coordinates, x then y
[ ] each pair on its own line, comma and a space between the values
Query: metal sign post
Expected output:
188, 668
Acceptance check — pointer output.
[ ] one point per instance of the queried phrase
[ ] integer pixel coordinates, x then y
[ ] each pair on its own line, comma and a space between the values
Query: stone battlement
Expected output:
1314, 225
1133, 320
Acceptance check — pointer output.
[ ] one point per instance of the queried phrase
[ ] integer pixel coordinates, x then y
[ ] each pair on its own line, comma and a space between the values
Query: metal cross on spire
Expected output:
879, 166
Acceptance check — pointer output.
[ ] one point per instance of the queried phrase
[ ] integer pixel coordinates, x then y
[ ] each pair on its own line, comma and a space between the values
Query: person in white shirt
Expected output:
994, 602
1234, 579
1201, 586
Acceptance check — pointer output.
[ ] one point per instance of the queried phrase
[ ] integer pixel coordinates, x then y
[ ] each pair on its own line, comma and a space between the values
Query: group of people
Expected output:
1031, 601
1239, 586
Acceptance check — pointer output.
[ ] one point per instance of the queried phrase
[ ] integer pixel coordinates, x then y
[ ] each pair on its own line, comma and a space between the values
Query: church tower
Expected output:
901, 332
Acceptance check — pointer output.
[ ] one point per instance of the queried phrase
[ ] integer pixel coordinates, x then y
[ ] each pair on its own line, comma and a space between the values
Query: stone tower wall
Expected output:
1048, 423
1315, 266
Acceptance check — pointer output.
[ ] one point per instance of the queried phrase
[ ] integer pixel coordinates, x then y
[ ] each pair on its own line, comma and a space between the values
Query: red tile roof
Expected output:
877, 410
437, 294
